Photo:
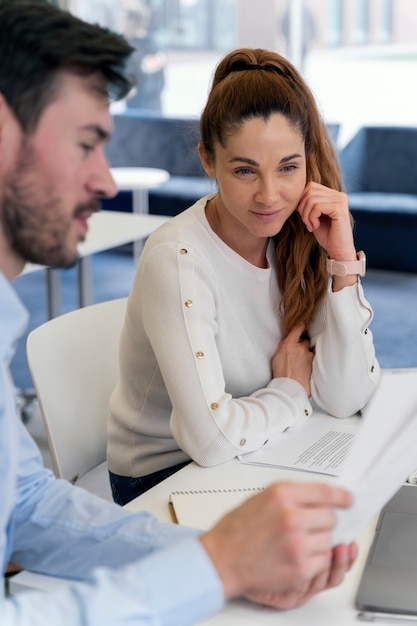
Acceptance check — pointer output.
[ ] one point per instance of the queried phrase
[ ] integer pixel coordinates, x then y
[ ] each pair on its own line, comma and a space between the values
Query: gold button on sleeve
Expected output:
183, 251
199, 355
214, 405
188, 303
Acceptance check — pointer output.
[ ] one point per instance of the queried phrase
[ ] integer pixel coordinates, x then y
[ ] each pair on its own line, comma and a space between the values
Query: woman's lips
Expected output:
265, 216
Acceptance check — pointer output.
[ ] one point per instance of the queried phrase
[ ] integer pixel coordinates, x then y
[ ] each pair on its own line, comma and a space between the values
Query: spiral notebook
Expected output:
202, 509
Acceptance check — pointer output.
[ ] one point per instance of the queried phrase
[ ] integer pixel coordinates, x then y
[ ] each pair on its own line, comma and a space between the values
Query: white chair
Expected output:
74, 363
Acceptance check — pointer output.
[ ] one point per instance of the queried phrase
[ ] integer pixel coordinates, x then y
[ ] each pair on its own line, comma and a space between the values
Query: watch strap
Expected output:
347, 268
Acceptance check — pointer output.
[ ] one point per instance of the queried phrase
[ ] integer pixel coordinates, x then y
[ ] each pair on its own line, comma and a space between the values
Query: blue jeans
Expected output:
125, 488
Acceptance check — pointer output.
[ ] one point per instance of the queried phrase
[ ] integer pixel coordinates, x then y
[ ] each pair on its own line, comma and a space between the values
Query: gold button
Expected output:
183, 251
199, 355
242, 442
214, 405
189, 303
305, 411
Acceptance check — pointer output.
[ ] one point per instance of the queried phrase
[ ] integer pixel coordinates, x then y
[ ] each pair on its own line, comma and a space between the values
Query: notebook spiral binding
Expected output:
245, 489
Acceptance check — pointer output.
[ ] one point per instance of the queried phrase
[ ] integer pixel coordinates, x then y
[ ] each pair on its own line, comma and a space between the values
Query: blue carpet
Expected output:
393, 296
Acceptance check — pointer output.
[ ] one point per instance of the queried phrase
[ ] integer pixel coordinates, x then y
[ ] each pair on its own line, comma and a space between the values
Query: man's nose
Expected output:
102, 183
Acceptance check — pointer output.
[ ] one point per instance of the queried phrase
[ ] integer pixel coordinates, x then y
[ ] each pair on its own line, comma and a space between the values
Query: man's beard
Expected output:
35, 230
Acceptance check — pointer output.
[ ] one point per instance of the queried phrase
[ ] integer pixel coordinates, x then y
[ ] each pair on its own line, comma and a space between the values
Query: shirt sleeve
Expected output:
345, 369
176, 585
206, 421
125, 567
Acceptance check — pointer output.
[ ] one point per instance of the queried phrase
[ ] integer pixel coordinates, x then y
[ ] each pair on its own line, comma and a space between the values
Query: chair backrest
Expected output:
74, 362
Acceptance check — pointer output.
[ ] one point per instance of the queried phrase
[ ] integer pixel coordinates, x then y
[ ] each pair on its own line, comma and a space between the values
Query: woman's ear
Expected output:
206, 161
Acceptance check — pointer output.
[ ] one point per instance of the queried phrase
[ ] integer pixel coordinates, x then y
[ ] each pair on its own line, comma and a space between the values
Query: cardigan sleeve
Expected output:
345, 369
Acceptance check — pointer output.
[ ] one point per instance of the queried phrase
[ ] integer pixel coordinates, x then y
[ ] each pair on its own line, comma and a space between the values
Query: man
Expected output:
56, 74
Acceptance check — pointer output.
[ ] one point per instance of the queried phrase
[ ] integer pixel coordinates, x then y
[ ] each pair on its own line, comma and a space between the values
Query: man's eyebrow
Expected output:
99, 131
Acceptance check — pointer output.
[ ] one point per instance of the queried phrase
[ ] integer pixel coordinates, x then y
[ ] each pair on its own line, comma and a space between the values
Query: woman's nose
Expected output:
267, 191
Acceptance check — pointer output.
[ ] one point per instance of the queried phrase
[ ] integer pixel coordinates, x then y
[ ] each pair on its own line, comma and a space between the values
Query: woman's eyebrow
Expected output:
285, 159
243, 160
290, 157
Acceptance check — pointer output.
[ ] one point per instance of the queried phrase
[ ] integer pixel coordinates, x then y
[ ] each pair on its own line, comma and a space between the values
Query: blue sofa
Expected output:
379, 167
150, 140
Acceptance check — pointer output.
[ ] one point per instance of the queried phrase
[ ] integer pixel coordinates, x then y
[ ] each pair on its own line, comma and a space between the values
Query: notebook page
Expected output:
203, 509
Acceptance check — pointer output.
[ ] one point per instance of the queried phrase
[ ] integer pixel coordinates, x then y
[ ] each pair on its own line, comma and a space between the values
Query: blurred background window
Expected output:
348, 50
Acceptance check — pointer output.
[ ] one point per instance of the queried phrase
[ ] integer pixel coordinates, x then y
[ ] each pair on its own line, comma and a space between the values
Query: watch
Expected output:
346, 268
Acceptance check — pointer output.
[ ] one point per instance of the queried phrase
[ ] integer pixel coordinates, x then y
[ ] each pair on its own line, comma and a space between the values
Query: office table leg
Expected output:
85, 281
53, 282
140, 205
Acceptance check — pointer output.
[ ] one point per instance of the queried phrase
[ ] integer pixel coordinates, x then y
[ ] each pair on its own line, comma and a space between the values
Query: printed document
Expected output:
384, 452
371, 455
320, 444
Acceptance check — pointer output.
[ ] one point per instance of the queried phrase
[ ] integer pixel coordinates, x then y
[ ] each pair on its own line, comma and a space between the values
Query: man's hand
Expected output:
276, 547
343, 559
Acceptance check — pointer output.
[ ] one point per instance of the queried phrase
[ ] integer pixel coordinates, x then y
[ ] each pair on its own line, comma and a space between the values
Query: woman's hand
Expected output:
325, 212
293, 358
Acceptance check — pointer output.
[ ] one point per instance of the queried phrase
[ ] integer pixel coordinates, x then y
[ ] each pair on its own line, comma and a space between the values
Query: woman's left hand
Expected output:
325, 212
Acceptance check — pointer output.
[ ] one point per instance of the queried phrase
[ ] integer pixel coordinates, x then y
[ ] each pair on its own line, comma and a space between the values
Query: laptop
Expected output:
388, 587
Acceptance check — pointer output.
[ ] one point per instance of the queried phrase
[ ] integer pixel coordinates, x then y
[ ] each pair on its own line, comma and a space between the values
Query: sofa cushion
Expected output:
149, 140
179, 193
170, 198
381, 159
386, 229
383, 202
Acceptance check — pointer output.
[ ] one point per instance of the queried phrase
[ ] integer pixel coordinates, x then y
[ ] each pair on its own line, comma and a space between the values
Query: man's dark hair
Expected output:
37, 40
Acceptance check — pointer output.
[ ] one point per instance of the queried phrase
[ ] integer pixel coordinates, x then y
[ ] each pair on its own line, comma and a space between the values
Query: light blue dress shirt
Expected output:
127, 568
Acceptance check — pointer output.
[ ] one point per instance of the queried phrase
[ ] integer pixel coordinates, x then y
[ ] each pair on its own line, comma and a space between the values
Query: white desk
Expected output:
332, 607
139, 180
107, 230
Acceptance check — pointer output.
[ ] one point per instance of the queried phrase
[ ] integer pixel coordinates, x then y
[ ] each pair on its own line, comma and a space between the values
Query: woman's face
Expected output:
261, 175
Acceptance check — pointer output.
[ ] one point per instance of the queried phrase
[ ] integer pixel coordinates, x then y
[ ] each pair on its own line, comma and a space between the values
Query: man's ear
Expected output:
206, 161
10, 134
3, 105
4, 116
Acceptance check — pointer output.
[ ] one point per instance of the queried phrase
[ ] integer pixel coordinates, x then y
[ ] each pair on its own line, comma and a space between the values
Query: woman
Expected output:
239, 313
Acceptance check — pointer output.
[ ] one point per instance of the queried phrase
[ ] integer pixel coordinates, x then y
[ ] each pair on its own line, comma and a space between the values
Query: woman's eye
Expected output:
244, 170
289, 168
